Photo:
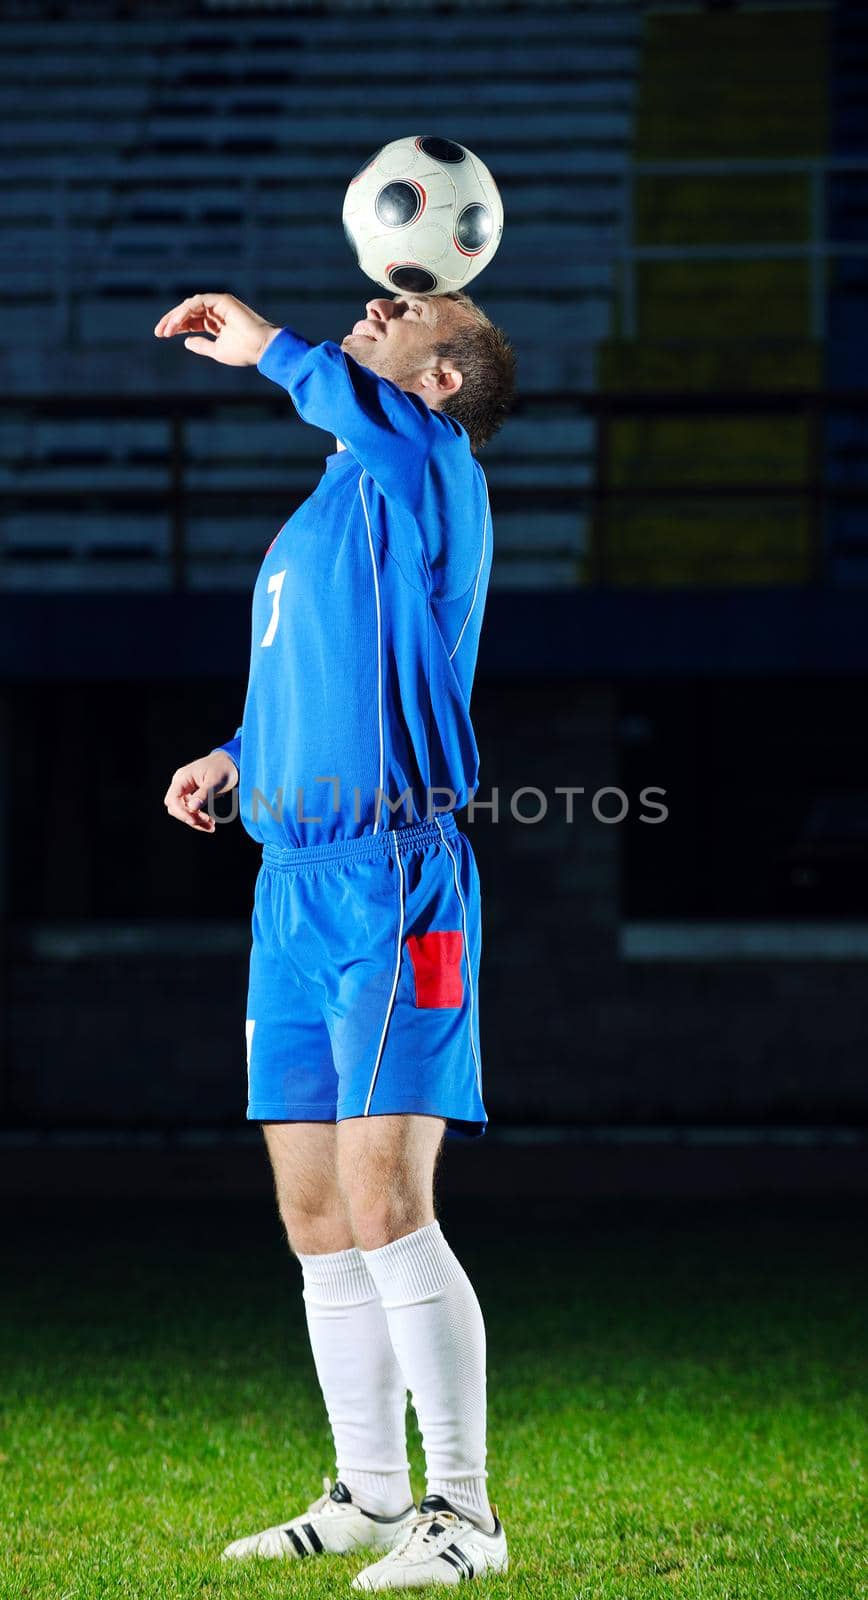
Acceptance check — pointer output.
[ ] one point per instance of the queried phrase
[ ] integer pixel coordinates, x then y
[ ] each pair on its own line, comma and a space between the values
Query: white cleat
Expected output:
333, 1525
440, 1546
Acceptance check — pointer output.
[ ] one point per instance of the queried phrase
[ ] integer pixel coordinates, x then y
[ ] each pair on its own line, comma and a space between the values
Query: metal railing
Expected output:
178, 499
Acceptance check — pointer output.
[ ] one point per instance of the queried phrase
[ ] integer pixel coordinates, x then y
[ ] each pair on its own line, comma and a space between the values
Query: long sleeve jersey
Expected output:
367, 612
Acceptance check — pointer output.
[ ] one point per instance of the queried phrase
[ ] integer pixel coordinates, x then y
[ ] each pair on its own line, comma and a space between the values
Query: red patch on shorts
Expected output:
436, 959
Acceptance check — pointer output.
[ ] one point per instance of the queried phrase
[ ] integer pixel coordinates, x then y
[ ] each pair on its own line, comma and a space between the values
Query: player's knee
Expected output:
315, 1229
380, 1219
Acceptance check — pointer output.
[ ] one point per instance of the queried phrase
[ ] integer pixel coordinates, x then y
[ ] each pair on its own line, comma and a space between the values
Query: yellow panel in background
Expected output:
729, 299
709, 449
717, 85
735, 84
727, 209
709, 365
703, 543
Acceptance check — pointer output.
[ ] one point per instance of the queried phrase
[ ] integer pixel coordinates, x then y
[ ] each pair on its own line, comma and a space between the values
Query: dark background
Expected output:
678, 600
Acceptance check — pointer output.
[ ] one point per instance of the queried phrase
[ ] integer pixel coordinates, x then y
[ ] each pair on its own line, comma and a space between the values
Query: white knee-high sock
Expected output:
436, 1328
362, 1385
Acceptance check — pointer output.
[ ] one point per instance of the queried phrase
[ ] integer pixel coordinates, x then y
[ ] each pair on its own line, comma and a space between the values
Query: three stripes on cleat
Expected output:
314, 1540
459, 1560
455, 1556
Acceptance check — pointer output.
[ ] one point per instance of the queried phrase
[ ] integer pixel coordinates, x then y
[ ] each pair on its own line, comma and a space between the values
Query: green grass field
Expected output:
675, 1402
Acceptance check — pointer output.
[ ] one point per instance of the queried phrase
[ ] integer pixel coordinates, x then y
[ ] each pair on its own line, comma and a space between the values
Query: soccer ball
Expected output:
423, 215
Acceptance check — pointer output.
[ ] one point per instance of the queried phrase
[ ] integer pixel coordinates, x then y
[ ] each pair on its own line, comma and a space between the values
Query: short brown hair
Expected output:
486, 360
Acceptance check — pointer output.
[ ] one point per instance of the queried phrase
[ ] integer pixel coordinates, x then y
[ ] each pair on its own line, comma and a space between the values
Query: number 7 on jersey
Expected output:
275, 584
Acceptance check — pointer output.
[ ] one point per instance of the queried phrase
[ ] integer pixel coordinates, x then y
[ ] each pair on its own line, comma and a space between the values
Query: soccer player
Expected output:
355, 749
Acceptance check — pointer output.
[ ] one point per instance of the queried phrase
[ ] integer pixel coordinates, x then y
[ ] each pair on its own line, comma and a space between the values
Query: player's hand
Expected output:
240, 335
187, 795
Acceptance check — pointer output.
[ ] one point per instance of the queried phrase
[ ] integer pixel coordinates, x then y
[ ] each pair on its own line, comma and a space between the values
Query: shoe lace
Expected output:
424, 1530
325, 1502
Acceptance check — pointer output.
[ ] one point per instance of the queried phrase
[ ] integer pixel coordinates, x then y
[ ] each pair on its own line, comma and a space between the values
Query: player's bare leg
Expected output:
370, 1505
312, 1209
386, 1172
392, 1311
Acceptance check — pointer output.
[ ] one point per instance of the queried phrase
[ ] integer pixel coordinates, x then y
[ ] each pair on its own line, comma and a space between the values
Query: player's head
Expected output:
444, 348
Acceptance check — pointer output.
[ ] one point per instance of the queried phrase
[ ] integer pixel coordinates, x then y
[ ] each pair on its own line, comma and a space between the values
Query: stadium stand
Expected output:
664, 172
217, 150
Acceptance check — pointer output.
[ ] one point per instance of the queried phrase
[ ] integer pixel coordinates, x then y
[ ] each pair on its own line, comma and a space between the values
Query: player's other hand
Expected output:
239, 336
187, 795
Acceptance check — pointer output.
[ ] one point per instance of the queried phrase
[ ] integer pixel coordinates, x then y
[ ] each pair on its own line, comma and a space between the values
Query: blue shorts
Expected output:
363, 993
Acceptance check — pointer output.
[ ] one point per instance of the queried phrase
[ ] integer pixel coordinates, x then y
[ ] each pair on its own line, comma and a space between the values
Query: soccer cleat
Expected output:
333, 1525
439, 1546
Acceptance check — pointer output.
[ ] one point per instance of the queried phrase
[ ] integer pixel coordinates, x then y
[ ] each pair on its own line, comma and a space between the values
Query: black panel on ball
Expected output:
442, 149
397, 204
473, 228
415, 279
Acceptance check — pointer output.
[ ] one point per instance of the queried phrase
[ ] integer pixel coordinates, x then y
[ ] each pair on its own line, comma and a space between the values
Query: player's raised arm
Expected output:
394, 435
238, 335
418, 385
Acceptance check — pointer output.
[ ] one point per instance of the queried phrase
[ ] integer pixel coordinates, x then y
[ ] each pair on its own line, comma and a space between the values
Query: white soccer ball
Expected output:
423, 215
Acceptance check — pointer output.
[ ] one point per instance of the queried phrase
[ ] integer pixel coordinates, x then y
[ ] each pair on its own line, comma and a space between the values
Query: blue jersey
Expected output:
366, 616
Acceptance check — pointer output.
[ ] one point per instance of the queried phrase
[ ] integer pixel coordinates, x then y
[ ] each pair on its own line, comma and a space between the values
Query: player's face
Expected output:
395, 336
